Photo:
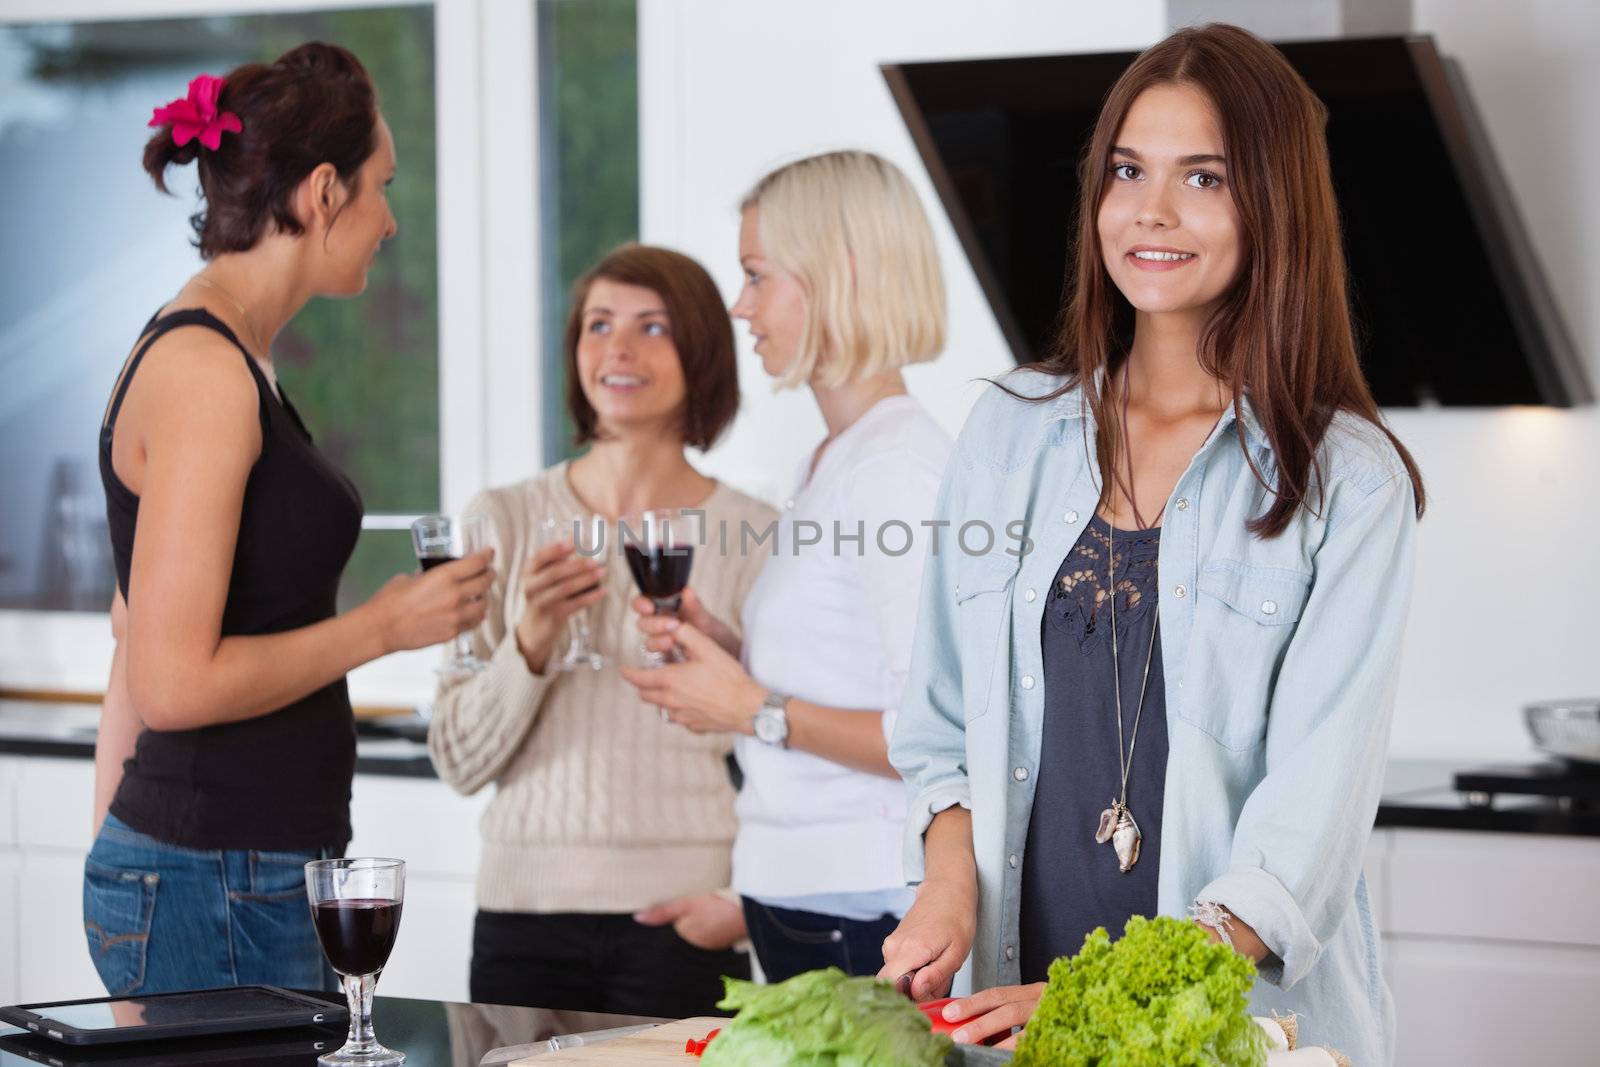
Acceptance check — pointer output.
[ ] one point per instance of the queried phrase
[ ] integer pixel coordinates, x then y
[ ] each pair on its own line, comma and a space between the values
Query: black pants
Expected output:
789, 942
603, 963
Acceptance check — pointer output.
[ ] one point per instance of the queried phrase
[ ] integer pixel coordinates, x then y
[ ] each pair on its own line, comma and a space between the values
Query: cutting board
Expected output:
663, 1045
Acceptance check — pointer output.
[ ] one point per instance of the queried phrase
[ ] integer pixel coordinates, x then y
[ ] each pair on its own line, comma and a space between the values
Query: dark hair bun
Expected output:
314, 104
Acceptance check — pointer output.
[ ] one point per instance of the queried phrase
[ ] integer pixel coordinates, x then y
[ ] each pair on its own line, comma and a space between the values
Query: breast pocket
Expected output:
983, 609
1244, 619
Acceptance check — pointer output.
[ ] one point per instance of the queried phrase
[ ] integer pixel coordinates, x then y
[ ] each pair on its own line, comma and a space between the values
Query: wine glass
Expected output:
444, 539
588, 535
355, 905
659, 545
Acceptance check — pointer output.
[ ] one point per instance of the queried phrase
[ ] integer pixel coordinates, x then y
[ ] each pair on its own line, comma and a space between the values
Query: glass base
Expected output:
579, 660
354, 1055
462, 665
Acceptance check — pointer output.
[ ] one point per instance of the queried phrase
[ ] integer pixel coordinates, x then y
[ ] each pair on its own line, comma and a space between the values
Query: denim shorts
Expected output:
161, 918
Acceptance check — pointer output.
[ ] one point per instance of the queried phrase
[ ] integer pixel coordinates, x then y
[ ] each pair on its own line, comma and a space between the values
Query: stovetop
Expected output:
1577, 784
1547, 797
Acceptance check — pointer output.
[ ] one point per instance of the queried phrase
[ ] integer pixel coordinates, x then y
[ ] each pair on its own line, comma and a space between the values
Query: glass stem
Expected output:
358, 991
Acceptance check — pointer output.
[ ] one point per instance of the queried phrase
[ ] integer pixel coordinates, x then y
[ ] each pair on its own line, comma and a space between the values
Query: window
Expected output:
589, 177
516, 126
91, 249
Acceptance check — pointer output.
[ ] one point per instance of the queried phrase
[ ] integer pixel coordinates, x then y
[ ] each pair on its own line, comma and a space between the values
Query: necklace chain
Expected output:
1126, 762
244, 316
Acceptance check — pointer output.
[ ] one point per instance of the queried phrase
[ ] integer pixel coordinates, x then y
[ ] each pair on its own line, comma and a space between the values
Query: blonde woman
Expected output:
842, 289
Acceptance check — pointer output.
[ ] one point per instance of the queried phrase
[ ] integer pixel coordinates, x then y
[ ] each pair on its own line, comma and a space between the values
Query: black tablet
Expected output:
109, 1020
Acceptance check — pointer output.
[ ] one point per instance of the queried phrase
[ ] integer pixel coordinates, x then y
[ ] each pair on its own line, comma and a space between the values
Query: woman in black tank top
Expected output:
227, 746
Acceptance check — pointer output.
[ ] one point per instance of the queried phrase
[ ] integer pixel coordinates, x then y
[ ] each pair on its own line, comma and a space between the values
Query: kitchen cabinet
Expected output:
46, 809
1491, 944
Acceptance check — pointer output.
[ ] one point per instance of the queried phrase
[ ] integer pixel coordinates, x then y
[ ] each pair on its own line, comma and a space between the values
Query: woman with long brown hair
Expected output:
1221, 533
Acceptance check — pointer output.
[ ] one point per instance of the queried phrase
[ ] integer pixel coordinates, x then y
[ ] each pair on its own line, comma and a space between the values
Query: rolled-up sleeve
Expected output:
928, 746
1302, 832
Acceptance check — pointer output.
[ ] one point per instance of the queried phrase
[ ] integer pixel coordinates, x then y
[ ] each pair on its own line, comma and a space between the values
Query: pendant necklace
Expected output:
1117, 824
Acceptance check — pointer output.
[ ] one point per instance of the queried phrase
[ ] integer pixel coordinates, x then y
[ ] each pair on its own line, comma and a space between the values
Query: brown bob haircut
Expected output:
701, 331
1283, 334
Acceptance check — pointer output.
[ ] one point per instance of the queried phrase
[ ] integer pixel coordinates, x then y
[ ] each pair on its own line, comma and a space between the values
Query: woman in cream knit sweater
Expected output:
608, 838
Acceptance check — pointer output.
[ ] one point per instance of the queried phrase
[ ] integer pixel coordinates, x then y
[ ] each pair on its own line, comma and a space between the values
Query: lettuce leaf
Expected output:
823, 1019
1162, 996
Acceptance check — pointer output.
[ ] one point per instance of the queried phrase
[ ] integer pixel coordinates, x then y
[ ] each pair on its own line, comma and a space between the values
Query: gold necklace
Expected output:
244, 316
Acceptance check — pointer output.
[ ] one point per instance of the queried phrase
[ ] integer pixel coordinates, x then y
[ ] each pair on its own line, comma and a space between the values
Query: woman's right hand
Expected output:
556, 584
419, 610
933, 940
658, 628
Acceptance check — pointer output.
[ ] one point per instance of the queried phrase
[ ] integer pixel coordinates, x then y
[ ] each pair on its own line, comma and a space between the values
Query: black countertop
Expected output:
1417, 793
394, 746
431, 1033
1422, 795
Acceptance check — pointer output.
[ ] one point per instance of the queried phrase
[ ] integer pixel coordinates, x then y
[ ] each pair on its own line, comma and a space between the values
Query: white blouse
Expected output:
830, 620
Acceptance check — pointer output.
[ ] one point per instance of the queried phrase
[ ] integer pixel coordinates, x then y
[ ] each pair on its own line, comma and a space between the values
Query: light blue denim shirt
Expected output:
1280, 658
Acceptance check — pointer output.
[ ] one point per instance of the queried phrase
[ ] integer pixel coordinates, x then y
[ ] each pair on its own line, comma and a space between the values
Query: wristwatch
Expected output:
772, 722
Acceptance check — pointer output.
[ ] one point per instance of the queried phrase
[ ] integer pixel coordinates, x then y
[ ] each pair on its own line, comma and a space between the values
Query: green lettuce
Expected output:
823, 1019
1162, 996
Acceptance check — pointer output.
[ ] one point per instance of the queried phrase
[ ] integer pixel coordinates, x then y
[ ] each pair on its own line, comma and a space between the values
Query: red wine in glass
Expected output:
355, 908
661, 572
357, 934
440, 539
659, 546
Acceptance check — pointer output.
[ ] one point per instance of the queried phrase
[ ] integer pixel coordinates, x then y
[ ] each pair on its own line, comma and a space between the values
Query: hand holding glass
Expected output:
588, 535
444, 539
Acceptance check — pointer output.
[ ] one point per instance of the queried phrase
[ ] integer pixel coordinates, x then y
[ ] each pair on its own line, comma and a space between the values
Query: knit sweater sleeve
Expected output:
480, 720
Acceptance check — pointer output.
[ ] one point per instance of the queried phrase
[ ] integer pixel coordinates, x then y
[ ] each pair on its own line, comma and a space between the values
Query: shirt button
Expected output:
1269, 607
788, 505
1029, 596
1183, 503
1071, 517
1020, 774
1027, 681
1180, 591
1012, 859
1011, 952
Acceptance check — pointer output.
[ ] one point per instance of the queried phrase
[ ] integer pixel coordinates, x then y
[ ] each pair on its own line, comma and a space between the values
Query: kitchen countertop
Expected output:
431, 1033
392, 746
1421, 794
1417, 793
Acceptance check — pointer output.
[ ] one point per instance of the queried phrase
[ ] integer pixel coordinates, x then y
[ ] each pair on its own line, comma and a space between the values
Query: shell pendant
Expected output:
1118, 827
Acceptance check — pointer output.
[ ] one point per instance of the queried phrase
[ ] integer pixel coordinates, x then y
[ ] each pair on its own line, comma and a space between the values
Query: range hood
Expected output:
1451, 304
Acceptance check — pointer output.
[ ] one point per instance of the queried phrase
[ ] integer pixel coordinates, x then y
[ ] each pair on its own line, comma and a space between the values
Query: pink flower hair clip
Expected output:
196, 114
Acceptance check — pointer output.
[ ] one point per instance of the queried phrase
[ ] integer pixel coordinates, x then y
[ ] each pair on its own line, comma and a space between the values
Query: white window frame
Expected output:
489, 315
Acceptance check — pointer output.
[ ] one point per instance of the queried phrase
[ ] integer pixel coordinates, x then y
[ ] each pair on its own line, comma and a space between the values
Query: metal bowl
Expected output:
977, 1056
1566, 728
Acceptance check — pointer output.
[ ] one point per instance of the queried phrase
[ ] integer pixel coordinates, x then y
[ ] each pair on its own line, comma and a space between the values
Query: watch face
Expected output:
770, 727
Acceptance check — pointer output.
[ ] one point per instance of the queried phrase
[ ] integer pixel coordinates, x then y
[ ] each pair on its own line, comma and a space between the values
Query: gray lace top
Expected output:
1071, 883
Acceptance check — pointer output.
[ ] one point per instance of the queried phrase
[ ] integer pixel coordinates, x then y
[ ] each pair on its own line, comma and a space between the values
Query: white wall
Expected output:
728, 89
1509, 576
